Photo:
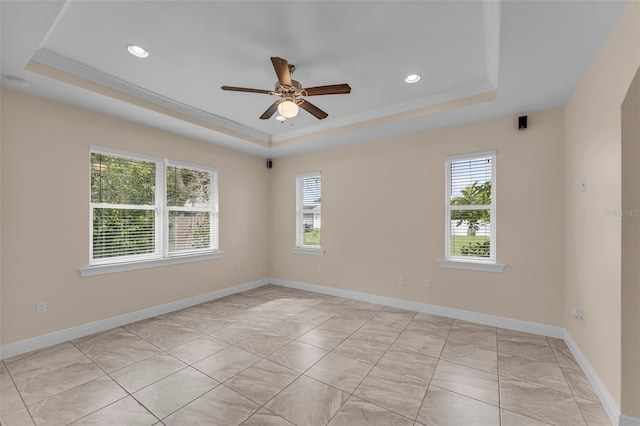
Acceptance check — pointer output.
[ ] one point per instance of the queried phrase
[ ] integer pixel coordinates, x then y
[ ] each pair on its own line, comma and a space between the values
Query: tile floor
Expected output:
279, 356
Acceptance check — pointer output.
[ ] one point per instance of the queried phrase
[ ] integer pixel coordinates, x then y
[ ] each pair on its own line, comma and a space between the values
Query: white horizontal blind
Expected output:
470, 219
123, 208
145, 208
191, 217
309, 210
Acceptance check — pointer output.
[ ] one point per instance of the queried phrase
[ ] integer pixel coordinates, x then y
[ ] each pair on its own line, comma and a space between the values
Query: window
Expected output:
470, 208
308, 211
148, 209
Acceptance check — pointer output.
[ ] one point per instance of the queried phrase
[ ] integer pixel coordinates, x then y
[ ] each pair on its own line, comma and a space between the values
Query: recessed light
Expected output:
137, 51
412, 78
280, 118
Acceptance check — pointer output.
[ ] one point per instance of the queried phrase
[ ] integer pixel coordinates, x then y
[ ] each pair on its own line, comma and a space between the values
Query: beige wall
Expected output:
383, 215
593, 238
45, 213
631, 250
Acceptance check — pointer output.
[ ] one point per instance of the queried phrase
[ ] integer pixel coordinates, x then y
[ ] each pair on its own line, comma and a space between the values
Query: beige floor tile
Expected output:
514, 419
27, 366
374, 332
125, 412
175, 391
444, 408
163, 332
540, 403
593, 412
73, 404
434, 329
527, 350
356, 412
518, 336
219, 407
538, 373
115, 349
343, 323
480, 336
424, 344
264, 417
563, 354
53, 382
147, 371
323, 338
307, 402
5, 378
579, 384
368, 351
198, 349
394, 321
292, 328
466, 381
540, 381
10, 400
201, 320
409, 364
17, 418
262, 381
297, 355
339, 371
226, 363
264, 343
236, 333
394, 392
470, 356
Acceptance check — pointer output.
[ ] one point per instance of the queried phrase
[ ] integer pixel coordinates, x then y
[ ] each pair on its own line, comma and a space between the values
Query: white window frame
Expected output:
300, 247
161, 255
466, 262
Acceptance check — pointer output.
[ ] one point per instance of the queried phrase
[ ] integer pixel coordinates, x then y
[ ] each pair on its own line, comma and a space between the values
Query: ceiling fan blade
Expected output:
282, 70
313, 110
334, 89
270, 111
245, 89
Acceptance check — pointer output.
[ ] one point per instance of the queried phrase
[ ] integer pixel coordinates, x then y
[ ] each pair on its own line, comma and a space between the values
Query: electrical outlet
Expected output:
427, 283
578, 316
237, 268
318, 269
401, 280
41, 307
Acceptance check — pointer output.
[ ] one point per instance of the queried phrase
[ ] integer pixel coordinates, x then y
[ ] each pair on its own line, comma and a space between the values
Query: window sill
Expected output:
470, 265
308, 250
89, 271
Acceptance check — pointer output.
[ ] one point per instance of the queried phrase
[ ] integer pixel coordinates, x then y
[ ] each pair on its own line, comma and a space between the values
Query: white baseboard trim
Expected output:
61, 336
599, 388
629, 421
492, 320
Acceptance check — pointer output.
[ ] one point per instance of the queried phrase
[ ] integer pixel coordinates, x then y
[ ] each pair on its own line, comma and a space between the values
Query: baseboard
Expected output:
629, 421
599, 388
61, 336
492, 320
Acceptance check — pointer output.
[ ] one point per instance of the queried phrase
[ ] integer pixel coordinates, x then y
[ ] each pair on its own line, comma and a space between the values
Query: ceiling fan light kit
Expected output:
291, 93
288, 108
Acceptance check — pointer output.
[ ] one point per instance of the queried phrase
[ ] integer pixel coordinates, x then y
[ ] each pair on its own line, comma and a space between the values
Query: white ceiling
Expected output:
478, 60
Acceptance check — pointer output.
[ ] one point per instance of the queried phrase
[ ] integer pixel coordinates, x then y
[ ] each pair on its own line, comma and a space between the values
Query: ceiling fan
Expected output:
291, 93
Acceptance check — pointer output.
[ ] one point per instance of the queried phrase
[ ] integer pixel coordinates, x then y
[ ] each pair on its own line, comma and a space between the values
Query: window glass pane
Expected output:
471, 182
118, 180
311, 211
471, 233
123, 232
189, 231
188, 187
